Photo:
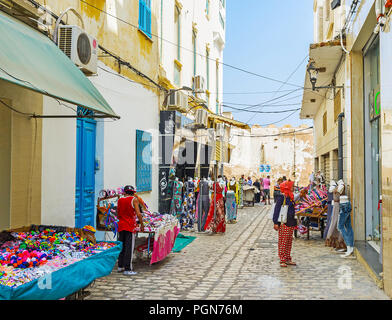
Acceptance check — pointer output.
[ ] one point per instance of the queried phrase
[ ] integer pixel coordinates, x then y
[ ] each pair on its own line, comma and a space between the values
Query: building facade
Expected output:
58, 171
364, 40
279, 151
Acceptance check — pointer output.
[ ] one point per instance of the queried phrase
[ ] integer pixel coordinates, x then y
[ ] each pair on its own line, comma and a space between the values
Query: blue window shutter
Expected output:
143, 161
145, 16
148, 21
142, 20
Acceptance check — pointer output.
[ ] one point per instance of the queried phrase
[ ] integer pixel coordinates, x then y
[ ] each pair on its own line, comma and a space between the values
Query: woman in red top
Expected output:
217, 224
127, 210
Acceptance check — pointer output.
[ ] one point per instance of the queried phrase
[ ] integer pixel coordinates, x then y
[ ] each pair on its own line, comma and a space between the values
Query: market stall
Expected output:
311, 210
161, 229
52, 262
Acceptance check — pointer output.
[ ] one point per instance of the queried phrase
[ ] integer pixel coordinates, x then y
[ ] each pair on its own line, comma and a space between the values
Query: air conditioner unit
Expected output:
201, 118
199, 84
80, 47
178, 101
220, 130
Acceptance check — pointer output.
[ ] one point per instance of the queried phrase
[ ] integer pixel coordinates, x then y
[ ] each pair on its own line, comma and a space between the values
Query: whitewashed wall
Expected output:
58, 165
138, 109
210, 31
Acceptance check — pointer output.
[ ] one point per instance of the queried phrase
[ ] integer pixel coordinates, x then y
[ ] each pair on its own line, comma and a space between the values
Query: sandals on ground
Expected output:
291, 263
283, 264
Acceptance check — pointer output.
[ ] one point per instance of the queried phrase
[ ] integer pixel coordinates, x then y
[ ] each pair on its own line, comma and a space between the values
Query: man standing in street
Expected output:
127, 211
267, 184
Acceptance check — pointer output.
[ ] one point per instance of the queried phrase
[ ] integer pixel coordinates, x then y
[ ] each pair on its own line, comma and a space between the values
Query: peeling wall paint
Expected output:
278, 153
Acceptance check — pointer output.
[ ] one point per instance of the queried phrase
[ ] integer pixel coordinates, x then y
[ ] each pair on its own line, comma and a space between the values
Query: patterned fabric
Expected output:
189, 207
216, 222
285, 242
231, 206
241, 183
334, 237
176, 204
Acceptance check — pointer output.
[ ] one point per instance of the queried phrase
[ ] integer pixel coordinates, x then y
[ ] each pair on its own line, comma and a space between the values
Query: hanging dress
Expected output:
188, 214
203, 204
241, 193
176, 204
216, 220
232, 201
334, 237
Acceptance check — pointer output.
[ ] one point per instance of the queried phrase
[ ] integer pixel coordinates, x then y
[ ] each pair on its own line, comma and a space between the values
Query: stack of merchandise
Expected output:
310, 199
25, 256
155, 222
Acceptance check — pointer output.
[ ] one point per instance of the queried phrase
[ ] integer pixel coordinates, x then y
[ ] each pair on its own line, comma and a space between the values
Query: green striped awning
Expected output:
30, 59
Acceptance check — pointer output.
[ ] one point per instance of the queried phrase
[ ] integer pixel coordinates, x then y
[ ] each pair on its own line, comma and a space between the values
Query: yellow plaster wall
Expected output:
357, 146
118, 37
25, 156
5, 164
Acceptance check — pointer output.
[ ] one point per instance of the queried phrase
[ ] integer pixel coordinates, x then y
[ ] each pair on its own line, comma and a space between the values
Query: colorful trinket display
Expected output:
30, 255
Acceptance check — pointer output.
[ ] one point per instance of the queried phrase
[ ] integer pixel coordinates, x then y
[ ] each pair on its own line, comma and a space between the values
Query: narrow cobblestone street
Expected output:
243, 264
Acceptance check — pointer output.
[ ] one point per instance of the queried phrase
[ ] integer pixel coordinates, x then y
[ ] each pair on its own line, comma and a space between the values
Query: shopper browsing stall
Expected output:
127, 211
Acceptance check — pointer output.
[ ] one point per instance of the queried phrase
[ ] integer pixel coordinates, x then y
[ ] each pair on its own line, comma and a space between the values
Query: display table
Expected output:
163, 232
64, 272
318, 215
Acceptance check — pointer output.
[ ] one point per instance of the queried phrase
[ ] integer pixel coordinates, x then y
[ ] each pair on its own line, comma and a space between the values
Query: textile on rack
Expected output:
241, 184
189, 206
231, 206
329, 214
334, 237
216, 220
203, 205
176, 203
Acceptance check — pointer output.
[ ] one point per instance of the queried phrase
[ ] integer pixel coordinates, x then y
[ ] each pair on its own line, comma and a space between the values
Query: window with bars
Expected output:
143, 161
145, 17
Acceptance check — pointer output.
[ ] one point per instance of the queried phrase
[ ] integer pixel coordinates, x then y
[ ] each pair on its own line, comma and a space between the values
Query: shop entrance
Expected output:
85, 172
372, 143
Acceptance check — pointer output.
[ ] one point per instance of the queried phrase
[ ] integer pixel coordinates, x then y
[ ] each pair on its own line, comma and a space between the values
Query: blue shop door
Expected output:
85, 173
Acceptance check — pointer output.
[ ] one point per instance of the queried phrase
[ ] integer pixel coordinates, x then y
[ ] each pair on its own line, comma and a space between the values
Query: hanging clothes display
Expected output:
216, 218
203, 204
241, 183
334, 237
176, 203
231, 206
329, 214
188, 214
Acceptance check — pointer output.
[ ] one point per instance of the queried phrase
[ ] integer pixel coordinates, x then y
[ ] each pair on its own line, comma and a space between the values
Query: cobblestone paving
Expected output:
243, 264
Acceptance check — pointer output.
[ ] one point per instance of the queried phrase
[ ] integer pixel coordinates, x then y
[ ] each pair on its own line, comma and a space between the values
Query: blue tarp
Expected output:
67, 280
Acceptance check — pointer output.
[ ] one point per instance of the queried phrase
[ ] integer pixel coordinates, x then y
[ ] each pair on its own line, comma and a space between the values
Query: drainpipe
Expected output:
340, 148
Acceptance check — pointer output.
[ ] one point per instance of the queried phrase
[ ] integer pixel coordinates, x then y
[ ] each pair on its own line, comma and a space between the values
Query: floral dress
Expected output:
189, 206
176, 203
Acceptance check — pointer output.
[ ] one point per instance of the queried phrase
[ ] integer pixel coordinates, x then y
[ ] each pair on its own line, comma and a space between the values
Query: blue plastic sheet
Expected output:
67, 280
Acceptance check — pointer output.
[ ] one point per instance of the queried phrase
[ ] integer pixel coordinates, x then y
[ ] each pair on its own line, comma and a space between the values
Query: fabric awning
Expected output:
235, 123
30, 59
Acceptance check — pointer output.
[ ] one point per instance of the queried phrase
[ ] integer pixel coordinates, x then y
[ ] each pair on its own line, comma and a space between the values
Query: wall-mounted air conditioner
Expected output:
201, 118
199, 84
178, 101
220, 130
80, 47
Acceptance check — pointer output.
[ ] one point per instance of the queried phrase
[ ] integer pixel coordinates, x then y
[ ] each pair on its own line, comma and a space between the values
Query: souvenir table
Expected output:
162, 230
49, 262
312, 206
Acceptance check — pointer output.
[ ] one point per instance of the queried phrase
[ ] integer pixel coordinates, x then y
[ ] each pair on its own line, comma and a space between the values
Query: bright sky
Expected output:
270, 38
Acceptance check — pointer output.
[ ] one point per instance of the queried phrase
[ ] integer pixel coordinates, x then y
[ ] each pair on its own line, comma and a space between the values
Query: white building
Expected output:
192, 39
